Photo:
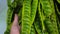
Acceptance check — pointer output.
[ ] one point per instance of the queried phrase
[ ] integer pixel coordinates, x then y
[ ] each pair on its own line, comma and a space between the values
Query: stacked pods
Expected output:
35, 16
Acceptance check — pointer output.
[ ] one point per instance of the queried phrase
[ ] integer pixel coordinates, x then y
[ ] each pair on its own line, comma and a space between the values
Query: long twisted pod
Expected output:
50, 22
58, 22
41, 17
32, 30
54, 16
33, 10
57, 7
46, 7
37, 26
58, 17
26, 17
9, 18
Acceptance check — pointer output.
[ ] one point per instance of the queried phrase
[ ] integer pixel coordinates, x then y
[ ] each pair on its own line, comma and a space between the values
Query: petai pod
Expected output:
54, 16
51, 24
58, 18
33, 10
9, 18
46, 7
58, 24
37, 27
41, 17
32, 30
9, 15
26, 17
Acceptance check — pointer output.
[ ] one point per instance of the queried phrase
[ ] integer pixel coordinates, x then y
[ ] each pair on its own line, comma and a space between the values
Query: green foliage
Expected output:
35, 16
26, 17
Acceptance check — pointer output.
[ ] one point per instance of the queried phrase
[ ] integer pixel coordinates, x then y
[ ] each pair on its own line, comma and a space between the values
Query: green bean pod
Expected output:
26, 17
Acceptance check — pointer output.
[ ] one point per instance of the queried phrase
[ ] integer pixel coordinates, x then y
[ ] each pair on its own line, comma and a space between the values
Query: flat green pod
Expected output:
33, 10
26, 17
37, 26
41, 17
9, 18
58, 16
46, 7
51, 24
58, 24
54, 22
9, 15
32, 30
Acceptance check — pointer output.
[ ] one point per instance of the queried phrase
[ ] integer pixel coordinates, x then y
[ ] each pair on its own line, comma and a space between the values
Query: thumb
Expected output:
15, 19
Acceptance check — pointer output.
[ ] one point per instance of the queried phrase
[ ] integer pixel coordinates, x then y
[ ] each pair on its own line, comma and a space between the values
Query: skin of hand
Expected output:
15, 26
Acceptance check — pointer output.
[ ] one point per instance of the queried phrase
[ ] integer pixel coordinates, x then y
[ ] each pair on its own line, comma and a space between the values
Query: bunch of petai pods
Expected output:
35, 16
